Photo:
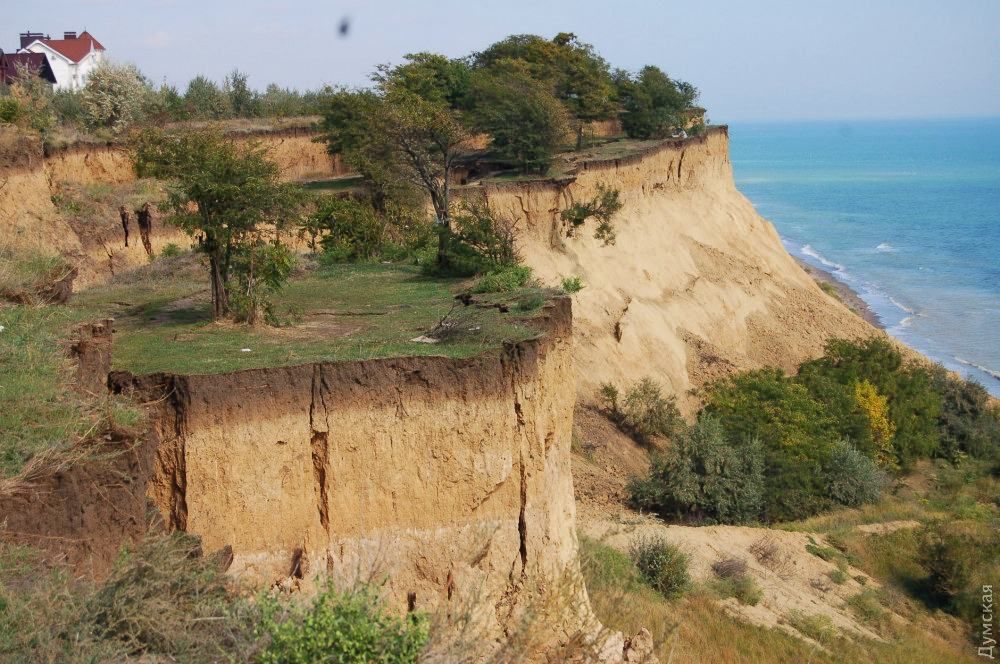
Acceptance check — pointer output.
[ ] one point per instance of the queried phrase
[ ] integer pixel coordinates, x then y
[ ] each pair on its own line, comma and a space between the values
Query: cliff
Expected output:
450, 479
31, 222
697, 286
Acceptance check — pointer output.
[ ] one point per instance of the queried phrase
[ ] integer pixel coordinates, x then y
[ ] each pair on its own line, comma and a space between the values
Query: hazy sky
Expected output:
768, 59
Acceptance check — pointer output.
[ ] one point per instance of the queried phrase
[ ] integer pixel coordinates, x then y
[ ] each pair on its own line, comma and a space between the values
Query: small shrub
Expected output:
605, 204
663, 565
769, 554
644, 412
506, 280
839, 576
530, 302
817, 627
482, 240
827, 553
171, 250
730, 568
10, 110
744, 588
958, 556
867, 607
343, 627
852, 478
572, 285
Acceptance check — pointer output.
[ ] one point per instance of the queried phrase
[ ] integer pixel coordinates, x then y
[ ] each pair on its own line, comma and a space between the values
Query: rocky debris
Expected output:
639, 648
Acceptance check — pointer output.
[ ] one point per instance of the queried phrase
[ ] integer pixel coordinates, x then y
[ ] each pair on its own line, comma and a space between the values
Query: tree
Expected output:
876, 407
652, 103
205, 100
430, 76
225, 194
114, 96
525, 121
796, 433
244, 102
34, 99
396, 134
914, 406
576, 74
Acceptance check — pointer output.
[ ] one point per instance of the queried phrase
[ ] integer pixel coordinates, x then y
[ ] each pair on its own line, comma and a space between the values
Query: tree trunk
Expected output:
579, 136
443, 214
220, 300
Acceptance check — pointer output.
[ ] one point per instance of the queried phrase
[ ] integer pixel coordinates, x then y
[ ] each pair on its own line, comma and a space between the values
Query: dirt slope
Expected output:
30, 220
697, 285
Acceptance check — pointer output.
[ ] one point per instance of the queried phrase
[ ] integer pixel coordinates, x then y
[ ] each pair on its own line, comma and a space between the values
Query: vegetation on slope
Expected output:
164, 599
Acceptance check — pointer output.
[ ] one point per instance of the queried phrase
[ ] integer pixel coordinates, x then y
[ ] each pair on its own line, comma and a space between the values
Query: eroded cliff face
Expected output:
30, 221
697, 286
449, 478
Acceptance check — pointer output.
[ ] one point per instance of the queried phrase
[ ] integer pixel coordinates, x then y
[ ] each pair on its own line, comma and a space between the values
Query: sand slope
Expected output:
698, 285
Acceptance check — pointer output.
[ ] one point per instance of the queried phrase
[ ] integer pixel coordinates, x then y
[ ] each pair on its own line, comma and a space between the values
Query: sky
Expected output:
753, 61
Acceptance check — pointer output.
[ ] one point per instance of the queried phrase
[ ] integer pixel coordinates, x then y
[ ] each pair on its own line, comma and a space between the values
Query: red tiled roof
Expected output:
74, 49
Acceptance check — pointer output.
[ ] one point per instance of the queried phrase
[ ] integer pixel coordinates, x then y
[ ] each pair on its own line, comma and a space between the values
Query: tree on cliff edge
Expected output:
228, 196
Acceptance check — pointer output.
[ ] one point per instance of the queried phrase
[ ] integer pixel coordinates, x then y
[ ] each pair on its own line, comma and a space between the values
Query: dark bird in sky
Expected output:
345, 26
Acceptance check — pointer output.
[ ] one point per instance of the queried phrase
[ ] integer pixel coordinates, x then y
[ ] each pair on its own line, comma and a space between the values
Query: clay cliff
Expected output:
449, 479
30, 220
697, 285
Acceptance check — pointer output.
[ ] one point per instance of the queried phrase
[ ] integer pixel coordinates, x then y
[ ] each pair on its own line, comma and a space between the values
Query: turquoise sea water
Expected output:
906, 212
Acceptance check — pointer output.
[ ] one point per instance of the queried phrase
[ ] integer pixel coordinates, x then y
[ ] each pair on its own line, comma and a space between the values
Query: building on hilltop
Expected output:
71, 58
12, 64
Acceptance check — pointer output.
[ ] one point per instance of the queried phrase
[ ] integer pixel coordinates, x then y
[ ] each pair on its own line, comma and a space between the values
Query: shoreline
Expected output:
847, 295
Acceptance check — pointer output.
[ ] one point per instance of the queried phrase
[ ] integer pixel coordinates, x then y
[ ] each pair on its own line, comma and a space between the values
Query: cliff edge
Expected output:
697, 285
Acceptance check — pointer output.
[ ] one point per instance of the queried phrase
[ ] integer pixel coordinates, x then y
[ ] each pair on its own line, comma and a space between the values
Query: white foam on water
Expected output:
808, 250
901, 306
885, 248
985, 370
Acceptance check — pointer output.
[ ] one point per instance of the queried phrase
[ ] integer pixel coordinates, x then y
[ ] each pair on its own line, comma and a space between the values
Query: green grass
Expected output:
37, 412
163, 324
341, 312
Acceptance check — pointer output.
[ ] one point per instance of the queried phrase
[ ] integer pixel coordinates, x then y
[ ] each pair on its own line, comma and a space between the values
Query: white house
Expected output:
72, 58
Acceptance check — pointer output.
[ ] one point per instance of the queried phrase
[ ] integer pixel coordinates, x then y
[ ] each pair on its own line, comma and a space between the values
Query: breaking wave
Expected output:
986, 370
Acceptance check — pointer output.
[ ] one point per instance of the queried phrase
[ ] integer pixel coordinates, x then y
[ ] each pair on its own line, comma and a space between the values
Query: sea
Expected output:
905, 212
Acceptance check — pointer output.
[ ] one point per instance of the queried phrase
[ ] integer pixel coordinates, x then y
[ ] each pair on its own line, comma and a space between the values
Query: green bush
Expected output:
744, 588
171, 250
348, 628
530, 302
704, 477
967, 423
818, 627
481, 240
866, 605
348, 229
959, 557
10, 110
572, 284
914, 406
794, 430
662, 565
506, 280
644, 412
839, 576
603, 207
852, 478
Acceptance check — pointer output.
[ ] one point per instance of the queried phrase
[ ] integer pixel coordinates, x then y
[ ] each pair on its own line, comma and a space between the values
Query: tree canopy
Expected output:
227, 195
